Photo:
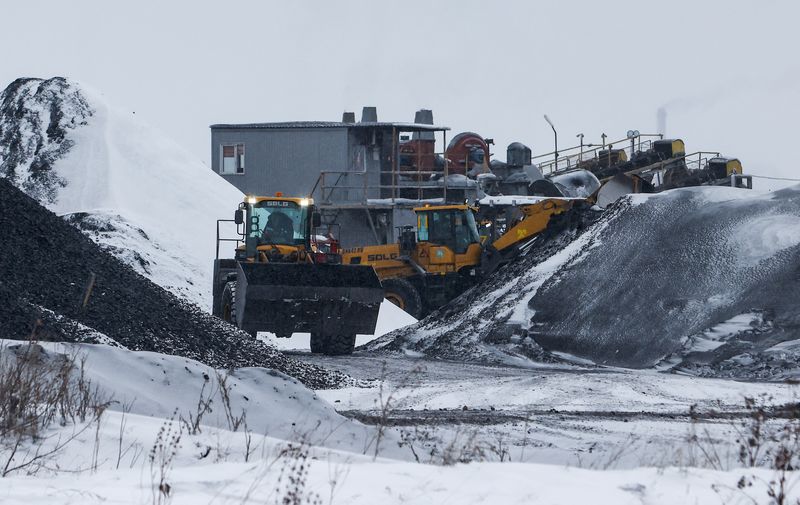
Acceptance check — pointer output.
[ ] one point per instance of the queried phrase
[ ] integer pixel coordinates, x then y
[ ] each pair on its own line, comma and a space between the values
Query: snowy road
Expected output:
596, 417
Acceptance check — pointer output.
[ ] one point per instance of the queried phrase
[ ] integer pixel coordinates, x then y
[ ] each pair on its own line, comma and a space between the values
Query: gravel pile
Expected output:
481, 324
45, 265
703, 281
685, 271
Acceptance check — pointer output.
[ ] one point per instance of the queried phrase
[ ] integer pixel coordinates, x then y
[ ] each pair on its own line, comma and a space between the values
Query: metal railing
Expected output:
571, 157
360, 187
406, 183
239, 240
403, 182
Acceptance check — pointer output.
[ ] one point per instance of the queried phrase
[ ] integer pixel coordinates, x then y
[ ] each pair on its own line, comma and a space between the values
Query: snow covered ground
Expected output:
592, 436
359, 480
556, 414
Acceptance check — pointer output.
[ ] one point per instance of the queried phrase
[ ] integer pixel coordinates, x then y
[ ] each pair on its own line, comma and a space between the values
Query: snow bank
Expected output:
162, 386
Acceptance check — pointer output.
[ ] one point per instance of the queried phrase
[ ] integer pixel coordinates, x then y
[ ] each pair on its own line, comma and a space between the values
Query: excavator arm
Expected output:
536, 217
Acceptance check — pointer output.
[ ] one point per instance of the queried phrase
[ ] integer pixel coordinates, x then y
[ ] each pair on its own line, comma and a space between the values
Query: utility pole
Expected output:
555, 138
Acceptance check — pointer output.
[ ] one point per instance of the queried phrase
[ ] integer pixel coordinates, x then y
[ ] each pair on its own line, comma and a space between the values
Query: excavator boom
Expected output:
536, 218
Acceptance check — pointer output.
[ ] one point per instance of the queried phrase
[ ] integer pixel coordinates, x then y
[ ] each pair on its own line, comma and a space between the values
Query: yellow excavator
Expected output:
281, 280
447, 253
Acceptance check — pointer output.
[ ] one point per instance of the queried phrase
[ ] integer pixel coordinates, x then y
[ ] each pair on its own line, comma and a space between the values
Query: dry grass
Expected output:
38, 390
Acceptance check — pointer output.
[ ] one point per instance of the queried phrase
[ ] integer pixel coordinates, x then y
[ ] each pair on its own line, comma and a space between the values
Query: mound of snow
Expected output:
37, 119
139, 193
159, 385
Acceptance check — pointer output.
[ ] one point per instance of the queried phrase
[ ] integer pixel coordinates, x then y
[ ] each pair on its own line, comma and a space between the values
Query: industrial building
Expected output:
365, 175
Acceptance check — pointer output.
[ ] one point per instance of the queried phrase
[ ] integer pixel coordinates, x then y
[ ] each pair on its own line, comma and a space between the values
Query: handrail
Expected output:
237, 240
311, 193
413, 178
571, 161
402, 180
590, 151
597, 146
385, 172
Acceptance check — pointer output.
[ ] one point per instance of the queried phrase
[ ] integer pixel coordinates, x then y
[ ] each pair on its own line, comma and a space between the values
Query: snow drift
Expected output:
159, 386
640, 286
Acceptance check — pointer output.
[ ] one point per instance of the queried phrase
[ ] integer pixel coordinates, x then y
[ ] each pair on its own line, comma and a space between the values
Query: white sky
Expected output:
727, 71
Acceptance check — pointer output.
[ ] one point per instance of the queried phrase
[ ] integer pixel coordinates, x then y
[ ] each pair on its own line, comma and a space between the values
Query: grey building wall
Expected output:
286, 160
356, 229
290, 160
368, 157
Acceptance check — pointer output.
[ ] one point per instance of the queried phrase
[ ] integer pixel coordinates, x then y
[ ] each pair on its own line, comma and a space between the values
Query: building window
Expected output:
232, 159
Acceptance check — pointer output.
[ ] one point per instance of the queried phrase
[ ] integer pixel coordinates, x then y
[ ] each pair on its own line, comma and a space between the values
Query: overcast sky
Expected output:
726, 71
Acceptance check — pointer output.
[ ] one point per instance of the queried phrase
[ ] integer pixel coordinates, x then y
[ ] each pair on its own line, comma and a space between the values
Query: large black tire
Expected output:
227, 309
227, 306
403, 294
319, 343
339, 345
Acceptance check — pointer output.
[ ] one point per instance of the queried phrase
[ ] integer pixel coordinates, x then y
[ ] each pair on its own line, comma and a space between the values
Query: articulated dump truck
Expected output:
283, 280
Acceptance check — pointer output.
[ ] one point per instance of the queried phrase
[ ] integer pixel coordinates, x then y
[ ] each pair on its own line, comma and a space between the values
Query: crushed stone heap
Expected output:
698, 280
45, 265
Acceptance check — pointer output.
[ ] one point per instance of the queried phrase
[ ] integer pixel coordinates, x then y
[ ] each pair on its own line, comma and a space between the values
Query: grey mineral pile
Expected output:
702, 280
44, 267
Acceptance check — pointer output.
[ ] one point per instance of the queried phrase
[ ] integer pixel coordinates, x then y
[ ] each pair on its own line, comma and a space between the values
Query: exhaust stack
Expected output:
369, 115
423, 116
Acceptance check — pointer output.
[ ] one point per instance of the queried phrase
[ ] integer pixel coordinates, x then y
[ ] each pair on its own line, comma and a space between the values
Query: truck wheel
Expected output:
339, 345
227, 308
403, 294
319, 343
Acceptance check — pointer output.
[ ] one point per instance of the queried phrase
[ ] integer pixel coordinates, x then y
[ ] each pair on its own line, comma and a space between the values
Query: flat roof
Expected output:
406, 127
